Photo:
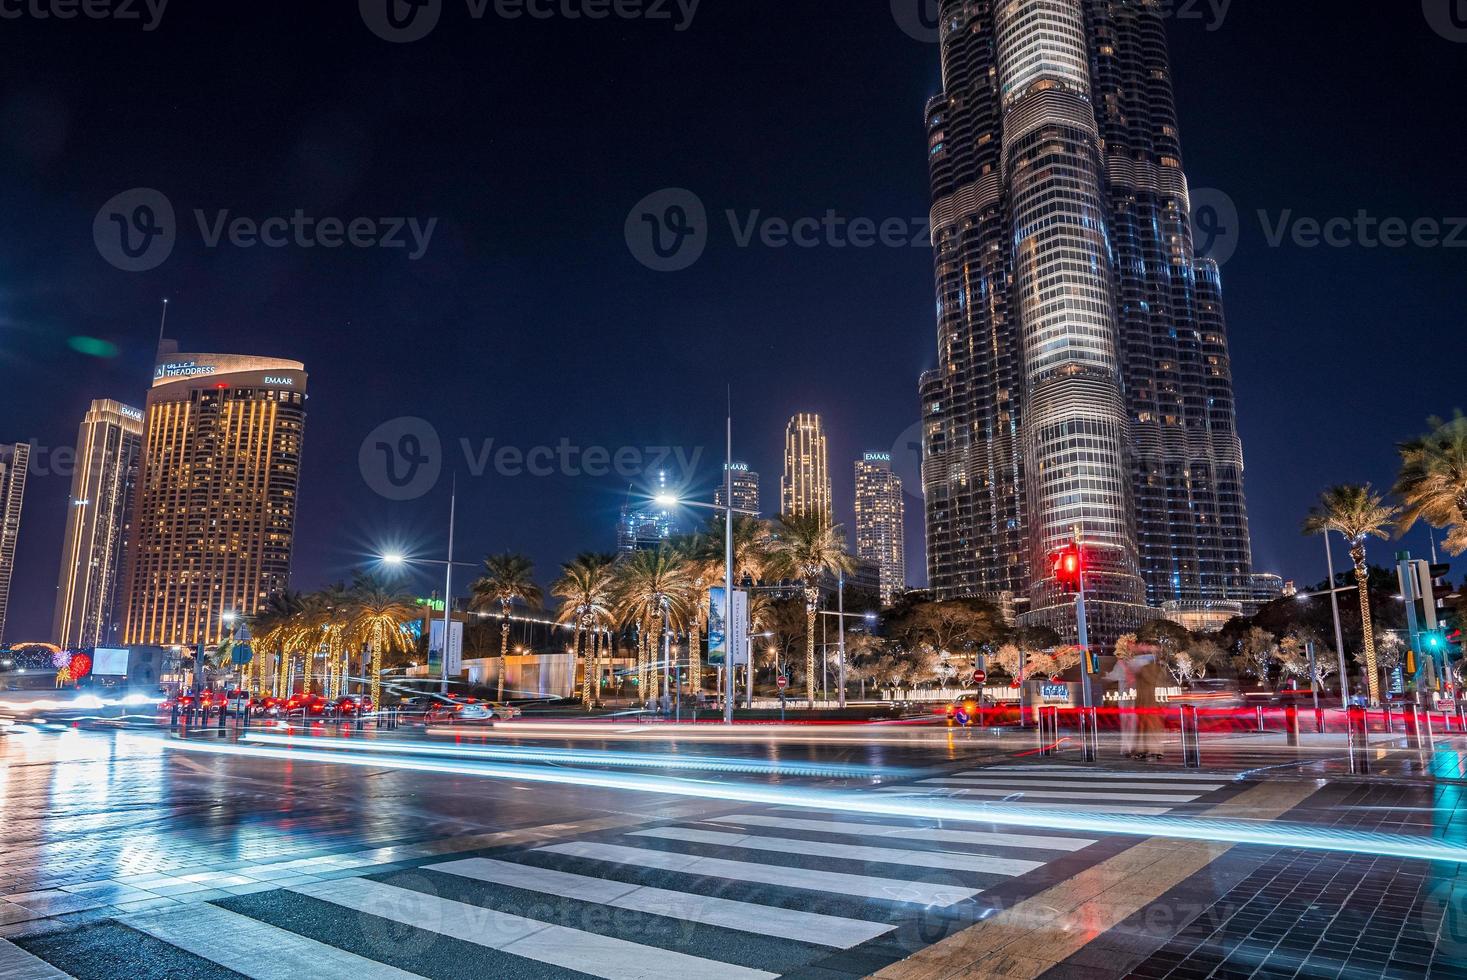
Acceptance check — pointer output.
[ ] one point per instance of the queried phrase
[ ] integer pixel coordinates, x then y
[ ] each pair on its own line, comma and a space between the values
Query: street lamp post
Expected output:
397, 561
728, 510
1334, 601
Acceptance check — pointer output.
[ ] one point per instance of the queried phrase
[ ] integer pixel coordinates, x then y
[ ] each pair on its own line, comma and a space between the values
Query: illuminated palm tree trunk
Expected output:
1362, 579
376, 655
503, 649
812, 598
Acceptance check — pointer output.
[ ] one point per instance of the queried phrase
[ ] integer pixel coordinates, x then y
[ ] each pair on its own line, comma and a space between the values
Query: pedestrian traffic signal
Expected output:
1069, 568
1092, 662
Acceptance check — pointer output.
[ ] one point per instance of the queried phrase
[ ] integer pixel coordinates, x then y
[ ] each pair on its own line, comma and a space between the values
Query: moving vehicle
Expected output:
1212, 692
965, 711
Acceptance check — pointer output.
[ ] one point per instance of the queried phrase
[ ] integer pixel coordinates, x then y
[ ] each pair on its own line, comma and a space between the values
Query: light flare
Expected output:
1189, 828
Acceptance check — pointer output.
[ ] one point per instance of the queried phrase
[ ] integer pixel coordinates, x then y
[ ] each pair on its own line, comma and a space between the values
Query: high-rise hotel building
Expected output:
1083, 380
881, 511
217, 494
804, 489
15, 464
98, 527
745, 489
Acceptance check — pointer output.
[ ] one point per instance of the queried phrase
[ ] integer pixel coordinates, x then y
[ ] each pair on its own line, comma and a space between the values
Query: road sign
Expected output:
980, 677
784, 682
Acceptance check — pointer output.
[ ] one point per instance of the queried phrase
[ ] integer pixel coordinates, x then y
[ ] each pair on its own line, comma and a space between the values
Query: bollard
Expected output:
1261, 728
1411, 718
1358, 725
1191, 737
173, 716
1291, 724
223, 712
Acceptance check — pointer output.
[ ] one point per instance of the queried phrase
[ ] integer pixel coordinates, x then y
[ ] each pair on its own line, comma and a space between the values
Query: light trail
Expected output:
641, 760
1201, 829
584, 732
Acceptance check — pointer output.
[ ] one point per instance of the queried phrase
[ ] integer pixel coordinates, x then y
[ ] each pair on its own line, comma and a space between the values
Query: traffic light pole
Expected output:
1085, 692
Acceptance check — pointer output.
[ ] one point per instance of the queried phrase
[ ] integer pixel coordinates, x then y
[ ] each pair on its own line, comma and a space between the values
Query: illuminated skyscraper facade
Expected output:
15, 464
804, 490
98, 526
1083, 381
745, 489
217, 494
881, 537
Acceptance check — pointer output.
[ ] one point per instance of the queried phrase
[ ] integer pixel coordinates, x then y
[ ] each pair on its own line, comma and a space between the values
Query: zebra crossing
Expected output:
759, 892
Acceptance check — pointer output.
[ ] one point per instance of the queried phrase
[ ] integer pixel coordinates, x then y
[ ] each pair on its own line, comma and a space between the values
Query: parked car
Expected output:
352, 705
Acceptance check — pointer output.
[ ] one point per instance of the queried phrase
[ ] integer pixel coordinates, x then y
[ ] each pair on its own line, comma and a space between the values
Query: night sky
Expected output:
528, 320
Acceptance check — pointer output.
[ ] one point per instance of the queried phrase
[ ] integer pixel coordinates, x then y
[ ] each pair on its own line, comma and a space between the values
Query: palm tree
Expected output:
1358, 513
507, 577
1433, 481
275, 629
653, 592
585, 590
377, 621
806, 549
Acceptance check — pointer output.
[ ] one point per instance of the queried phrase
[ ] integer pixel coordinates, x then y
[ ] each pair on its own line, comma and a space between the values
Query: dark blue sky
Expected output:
529, 321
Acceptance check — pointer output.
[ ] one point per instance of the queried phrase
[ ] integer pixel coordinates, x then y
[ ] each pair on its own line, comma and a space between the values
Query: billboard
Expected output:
731, 635
109, 662
455, 648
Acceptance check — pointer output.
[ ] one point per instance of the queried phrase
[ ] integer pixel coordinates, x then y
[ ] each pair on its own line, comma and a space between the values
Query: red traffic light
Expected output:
1069, 566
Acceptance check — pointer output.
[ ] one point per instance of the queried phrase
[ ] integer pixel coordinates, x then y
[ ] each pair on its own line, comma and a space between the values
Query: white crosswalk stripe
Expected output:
1001, 797
864, 886
978, 863
985, 789
997, 780
936, 835
17, 964
573, 949
823, 930
255, 949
